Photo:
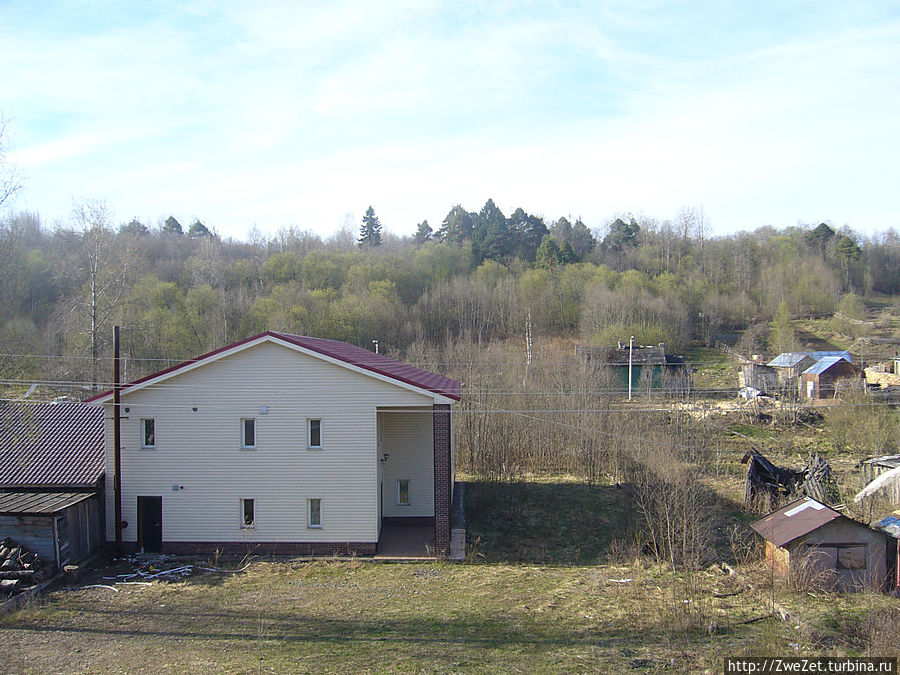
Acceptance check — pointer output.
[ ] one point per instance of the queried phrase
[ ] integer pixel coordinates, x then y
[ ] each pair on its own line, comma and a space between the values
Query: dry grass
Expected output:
360, 617
558, 583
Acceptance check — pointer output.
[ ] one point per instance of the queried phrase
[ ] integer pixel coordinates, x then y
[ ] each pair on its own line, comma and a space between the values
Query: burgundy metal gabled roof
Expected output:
335, 349
45, 445
378, 363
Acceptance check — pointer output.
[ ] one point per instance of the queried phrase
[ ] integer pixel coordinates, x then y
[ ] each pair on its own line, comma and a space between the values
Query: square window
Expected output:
148, 433
314, 433
248, 433
403, 492
314, 513
248, 515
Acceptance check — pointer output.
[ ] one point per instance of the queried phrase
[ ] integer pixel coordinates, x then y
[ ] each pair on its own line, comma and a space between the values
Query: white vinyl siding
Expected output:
201, 452
408, 439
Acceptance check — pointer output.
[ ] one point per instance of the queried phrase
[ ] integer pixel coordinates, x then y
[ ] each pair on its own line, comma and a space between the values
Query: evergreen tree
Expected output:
581, 239
457, 226
197, 230
370, 231
423, 233
548, 253
621, 234
135, 228
172, 226
491, 232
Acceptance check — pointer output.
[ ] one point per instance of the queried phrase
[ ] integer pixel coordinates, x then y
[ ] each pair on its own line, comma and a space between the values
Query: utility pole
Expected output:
630, 360
117, 440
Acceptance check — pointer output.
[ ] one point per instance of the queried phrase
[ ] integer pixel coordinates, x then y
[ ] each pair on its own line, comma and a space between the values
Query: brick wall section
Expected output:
442, 479
269, 548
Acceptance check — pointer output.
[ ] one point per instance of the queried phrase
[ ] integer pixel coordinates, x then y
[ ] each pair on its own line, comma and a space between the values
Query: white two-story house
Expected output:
281, 444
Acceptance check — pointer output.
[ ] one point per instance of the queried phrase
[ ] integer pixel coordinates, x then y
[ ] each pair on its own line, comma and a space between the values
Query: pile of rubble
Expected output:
19, 568
161, 567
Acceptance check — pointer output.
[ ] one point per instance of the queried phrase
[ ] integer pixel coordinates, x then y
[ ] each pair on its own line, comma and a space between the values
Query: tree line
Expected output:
480, 276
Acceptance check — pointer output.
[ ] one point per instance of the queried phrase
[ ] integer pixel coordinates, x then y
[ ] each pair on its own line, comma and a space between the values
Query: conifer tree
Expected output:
370, 231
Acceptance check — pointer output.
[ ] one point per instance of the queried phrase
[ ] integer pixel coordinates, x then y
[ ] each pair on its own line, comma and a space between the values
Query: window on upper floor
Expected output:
314, 433
148, 433
248, 433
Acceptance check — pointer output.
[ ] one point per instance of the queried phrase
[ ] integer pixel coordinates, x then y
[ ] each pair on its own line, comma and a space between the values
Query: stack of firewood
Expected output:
19, 567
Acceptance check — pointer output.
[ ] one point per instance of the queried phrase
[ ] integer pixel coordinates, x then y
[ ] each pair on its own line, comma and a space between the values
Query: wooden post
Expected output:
117, 441
630, 357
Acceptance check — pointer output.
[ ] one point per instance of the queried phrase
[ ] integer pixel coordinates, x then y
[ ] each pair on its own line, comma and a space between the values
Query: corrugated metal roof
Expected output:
887, 462
378, 363
794, 520
791, 359
45, 445
341, 351
32, 503
822, 365
788, 359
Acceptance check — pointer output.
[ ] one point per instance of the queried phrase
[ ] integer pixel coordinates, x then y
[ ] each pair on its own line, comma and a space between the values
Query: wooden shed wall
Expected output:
33, 532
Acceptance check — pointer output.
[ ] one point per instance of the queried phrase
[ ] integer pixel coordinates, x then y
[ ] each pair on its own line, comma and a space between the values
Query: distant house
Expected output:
823, 379
759, 376
651, 368
283, 444
51, 479
831, 550
789, 365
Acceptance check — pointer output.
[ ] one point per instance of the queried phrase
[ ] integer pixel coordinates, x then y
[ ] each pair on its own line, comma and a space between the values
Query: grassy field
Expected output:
539, 595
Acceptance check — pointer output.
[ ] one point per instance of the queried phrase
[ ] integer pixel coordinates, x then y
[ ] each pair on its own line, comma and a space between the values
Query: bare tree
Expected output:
10, 180
101, 269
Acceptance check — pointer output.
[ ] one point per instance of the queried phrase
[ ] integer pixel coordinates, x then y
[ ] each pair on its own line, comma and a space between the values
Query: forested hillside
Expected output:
180, 290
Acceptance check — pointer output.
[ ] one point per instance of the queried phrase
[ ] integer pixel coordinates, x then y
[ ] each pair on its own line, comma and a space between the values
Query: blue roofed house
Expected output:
792, 368
828, 376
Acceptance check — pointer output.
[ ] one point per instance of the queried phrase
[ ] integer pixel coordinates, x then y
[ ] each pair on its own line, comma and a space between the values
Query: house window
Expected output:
248, 433
314, 513
403, 492
314, 433
148, 433
248, 515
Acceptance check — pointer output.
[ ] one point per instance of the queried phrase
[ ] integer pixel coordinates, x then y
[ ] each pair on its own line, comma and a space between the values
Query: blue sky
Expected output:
304, 113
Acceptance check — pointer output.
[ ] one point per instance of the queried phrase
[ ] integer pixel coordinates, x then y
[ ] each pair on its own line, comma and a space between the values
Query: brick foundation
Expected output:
241, 548
442, 479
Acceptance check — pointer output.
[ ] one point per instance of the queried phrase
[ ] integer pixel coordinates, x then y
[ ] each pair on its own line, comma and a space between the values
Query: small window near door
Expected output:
314, 513
314, 433
403, 492
248, 433
148, 433
248, 513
